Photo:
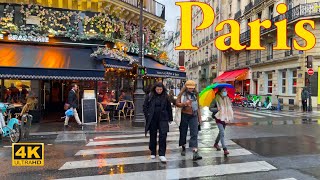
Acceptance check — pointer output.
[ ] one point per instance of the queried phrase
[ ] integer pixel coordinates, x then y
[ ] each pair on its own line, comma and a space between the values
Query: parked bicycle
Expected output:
13, 127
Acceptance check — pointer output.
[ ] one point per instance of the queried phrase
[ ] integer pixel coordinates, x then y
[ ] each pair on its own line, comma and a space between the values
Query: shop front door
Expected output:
54, 94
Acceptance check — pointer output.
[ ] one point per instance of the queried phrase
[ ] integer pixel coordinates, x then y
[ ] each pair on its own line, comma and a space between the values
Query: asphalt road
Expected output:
263, 145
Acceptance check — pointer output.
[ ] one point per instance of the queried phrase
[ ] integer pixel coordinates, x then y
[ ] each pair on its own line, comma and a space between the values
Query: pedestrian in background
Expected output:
222, 117
188, 100
304, 98
73, 104
158, 113
171, 97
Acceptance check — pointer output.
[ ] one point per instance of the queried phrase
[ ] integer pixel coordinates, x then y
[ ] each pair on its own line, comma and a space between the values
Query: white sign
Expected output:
28, 38
1, 36
89, 94
33, 20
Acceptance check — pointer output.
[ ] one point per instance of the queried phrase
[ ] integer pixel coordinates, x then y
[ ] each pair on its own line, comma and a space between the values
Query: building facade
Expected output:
276, 73
177, 56
206, 63
47, 45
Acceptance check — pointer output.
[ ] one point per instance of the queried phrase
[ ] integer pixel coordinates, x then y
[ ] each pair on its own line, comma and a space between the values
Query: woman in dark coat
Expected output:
158, 113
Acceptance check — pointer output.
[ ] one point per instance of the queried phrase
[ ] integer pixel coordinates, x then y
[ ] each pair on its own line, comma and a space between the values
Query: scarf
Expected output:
226, 112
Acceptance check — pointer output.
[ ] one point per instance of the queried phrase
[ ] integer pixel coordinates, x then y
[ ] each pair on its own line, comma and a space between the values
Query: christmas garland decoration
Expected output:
80, 26
114, 53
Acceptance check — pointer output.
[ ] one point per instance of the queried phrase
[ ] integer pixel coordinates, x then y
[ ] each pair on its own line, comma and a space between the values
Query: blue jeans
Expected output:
220, 136
192, 122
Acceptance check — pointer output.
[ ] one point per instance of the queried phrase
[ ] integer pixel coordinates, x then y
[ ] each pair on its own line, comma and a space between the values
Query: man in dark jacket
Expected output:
73, 101
304, 97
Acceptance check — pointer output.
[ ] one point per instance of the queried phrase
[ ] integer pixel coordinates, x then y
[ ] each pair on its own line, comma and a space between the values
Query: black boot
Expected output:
196, 156
183, 151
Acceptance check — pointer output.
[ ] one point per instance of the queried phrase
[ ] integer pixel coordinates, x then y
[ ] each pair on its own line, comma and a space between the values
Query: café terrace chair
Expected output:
24, 111
120, 109
130, 109
103, 113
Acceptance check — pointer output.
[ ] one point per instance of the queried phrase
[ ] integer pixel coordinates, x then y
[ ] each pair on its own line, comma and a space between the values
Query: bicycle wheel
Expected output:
15, 134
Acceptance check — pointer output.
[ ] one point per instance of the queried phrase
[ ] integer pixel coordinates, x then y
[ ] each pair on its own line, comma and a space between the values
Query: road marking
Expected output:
130, 141
146, 159
190, 172
130, 135
170, 145
264, 114
279, 113
288, 179
247, 114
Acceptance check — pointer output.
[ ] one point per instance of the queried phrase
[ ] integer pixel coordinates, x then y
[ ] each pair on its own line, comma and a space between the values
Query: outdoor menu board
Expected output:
89, 111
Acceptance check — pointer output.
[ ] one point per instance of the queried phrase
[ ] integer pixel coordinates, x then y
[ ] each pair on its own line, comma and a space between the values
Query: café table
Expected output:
113, 106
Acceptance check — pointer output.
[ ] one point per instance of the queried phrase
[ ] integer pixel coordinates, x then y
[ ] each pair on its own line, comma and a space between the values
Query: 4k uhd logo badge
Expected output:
27, 154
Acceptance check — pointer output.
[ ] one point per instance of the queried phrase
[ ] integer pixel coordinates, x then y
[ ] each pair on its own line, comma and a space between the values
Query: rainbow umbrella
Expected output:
207, 95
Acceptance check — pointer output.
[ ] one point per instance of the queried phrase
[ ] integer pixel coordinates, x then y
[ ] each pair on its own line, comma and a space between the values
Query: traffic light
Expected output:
309, 61
142, 71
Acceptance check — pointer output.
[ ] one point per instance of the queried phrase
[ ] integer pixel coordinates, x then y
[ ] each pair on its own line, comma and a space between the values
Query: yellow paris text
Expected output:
234, 35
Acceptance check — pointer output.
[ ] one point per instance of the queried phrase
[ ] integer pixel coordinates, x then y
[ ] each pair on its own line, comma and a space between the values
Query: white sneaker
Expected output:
163, 159
152, 156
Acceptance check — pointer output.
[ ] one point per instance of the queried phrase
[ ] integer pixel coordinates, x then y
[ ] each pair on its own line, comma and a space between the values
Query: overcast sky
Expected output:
172, 12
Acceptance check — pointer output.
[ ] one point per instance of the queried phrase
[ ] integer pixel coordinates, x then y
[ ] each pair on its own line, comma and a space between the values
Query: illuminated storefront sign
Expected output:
28, 38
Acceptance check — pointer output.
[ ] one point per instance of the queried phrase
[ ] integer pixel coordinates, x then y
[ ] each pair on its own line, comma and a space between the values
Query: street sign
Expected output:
310, 72
182, 68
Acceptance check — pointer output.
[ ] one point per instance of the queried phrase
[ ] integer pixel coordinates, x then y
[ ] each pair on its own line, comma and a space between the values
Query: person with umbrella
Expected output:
217, 96
222, 117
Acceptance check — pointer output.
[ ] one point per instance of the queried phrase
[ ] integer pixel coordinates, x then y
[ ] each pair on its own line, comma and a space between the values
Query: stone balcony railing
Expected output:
151, 6
237, 15
300, 11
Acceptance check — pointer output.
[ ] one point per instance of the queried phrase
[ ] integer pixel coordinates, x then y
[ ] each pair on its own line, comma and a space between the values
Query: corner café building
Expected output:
49, 66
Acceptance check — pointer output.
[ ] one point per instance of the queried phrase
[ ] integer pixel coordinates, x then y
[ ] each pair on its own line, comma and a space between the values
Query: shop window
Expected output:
16, 91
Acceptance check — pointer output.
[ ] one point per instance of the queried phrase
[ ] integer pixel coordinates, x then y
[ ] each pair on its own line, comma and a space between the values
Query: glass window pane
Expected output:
294, 82
269, 83
294, 73
269, 89
269, 76
17, 90
283, 82
283, 74
294, 90
283, 90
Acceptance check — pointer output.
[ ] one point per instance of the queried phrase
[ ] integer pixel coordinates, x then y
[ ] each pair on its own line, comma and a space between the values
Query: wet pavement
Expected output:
262, 145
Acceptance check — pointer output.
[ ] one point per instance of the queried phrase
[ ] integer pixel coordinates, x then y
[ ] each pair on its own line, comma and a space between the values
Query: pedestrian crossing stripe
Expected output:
129, 136
264, 114
146, 159
189, 172
130, 141
170, 146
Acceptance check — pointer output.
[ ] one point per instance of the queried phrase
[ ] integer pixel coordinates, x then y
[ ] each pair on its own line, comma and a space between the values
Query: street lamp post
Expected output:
139, 120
